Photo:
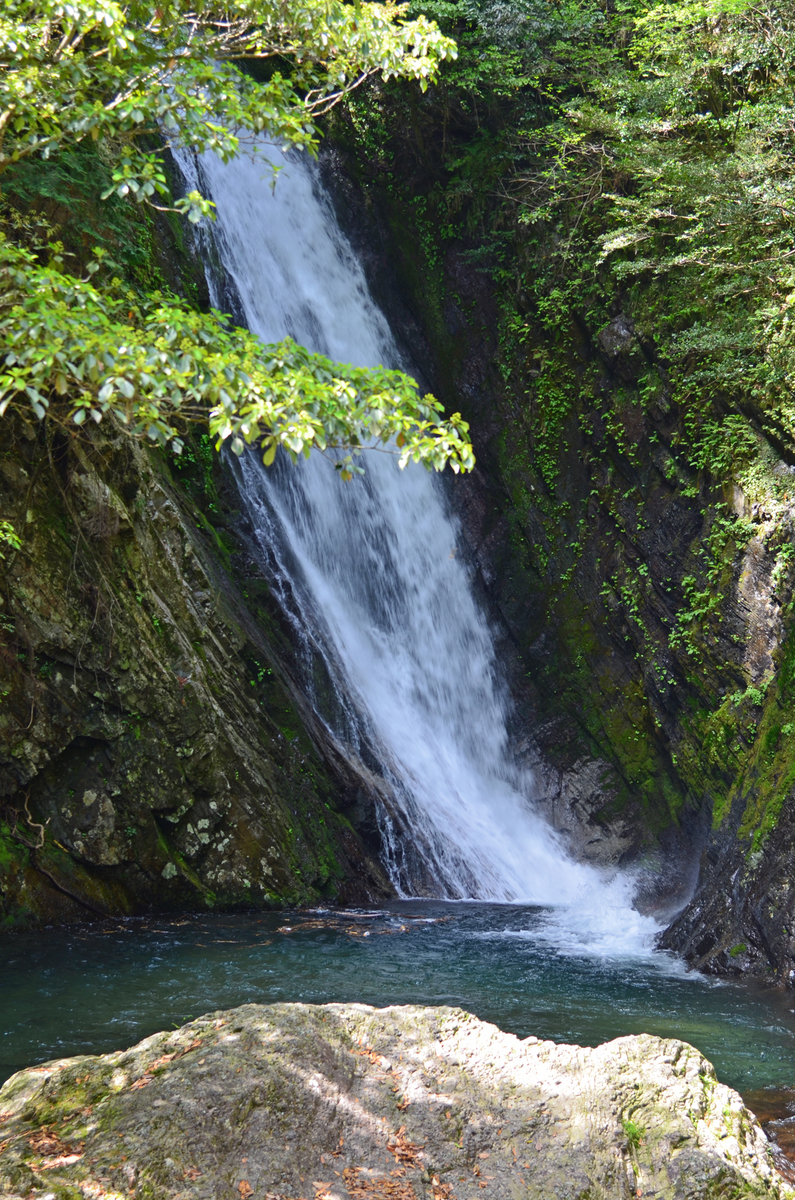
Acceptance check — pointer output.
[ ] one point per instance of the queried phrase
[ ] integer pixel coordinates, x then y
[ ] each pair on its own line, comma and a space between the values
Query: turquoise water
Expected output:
94, 989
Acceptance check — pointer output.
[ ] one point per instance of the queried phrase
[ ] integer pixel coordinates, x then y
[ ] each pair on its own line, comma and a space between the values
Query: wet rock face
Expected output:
346, 1102
154, 752
741, 920
645, 608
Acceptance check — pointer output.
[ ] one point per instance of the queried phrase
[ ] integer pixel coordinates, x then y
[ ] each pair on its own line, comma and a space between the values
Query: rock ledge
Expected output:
346, 1102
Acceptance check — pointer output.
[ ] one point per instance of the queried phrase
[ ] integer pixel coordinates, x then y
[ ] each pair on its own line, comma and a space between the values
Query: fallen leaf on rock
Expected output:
245, 1189
47, 1142
160, 1062
371, 1055
377, 1187
402, 1150
63, 1160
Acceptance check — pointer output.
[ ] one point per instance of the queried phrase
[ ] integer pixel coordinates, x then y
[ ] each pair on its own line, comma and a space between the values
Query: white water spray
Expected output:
369, 573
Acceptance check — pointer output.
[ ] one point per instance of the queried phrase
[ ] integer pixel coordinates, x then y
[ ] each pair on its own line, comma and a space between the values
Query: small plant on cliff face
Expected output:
126, 76
8, 537
634, 1133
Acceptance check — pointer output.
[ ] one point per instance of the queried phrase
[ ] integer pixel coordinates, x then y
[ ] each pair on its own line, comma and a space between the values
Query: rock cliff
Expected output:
646, 607
346, 1102
154, 749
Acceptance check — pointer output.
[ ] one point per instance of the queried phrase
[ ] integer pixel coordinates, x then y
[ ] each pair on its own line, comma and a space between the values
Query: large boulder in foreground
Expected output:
345, 1101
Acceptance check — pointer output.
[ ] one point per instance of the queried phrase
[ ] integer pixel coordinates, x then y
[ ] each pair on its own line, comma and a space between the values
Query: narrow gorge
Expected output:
396, 600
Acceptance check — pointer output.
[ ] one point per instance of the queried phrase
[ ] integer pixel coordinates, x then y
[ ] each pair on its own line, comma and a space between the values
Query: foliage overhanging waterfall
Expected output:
368, 572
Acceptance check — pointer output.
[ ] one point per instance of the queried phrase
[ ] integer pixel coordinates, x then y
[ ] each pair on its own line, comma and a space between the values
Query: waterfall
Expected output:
370, 573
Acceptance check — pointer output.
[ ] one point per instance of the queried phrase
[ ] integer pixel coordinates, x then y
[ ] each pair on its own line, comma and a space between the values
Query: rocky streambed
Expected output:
347, 1102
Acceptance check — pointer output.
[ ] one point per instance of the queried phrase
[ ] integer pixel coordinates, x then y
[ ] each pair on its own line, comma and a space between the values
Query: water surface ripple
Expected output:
101, 988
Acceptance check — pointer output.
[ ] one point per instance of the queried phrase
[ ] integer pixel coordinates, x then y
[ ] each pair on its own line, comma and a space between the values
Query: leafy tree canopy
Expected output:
629, 156
131, 78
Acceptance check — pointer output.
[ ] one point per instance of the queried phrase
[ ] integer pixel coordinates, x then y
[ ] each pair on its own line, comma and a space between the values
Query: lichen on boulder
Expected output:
347, 1102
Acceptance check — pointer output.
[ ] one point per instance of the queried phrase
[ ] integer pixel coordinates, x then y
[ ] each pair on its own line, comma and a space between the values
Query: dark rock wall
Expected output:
154, 750
645, 608
741, 919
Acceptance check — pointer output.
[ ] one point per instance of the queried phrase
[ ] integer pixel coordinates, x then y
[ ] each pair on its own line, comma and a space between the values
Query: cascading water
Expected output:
370, 575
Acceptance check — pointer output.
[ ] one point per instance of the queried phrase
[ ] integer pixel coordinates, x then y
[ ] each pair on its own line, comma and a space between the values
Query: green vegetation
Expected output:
120, 78
634, 1133
8, 538
619, 177
600, 159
